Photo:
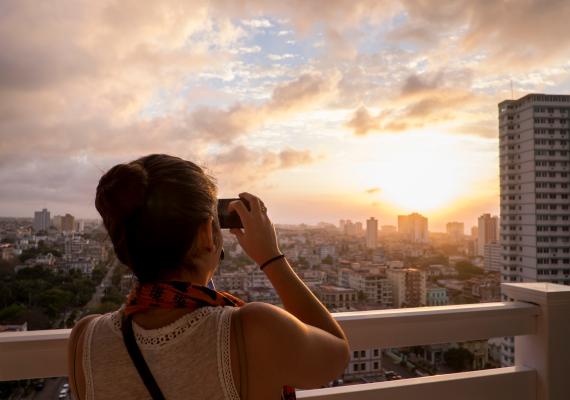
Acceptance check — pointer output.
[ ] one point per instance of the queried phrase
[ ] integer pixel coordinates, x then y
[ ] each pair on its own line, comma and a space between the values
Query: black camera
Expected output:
229, 220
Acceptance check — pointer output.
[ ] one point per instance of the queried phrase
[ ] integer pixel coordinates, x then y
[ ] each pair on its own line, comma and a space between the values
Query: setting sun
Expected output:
423, 172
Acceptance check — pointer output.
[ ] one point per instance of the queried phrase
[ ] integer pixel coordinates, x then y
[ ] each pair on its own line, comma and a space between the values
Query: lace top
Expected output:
189, 358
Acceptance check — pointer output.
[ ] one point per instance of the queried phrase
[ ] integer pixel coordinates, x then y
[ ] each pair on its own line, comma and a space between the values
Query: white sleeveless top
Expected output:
189, 358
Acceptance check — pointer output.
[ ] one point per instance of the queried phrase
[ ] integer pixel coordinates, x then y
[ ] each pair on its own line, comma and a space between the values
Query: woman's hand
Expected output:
257, 238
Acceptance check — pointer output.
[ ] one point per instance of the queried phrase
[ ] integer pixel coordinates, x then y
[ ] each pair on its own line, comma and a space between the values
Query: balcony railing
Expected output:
538, 317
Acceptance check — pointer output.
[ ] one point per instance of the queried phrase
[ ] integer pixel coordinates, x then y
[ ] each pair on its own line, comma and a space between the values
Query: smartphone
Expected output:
228, 219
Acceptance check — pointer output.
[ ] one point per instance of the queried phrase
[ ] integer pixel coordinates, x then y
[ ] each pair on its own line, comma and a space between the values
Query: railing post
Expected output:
547, 351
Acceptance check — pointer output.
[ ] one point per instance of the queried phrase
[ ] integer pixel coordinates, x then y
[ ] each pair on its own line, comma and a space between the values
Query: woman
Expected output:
196, 343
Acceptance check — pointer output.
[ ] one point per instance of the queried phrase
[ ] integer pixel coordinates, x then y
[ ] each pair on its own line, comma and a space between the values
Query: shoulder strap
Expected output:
138, 359
242, 355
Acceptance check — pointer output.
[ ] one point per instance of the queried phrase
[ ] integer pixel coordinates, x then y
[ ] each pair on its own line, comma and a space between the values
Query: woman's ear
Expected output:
206, 236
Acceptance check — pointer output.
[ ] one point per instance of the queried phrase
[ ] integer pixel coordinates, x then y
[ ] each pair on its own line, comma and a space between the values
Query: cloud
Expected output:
308, 91
110, 80
258, 23
362, 122
422, 99
517, 38
239, 166
279, 57
373, 190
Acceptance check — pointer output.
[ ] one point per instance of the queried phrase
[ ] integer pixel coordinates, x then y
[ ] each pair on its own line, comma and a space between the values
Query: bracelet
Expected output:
266, 263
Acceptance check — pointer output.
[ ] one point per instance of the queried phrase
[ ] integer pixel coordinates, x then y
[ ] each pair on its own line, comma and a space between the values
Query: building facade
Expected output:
68, 223
487, 232
534, 158
455, 230
414, 227
492, 256
42, 220
371, 233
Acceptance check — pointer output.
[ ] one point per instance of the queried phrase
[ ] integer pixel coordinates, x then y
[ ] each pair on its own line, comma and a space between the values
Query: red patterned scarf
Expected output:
184, 295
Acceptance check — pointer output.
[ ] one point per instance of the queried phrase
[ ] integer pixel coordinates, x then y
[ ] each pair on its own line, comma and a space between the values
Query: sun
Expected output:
423, 173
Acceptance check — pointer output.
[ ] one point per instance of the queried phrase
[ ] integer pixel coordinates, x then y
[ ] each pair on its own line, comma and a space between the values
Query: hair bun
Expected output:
121, 191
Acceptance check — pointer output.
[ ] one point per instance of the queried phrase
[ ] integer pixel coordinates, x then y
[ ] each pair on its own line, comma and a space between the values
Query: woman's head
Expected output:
154, 209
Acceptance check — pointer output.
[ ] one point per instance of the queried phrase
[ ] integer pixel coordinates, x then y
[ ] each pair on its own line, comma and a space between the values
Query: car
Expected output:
66, 386
62, 396
39, 384
392, 376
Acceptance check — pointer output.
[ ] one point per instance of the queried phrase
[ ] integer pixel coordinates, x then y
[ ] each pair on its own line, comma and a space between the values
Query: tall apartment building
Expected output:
42, 220
414, 227
535, 179
487, 232
68, 223
371, 233
492, 256
455, 230
56, 222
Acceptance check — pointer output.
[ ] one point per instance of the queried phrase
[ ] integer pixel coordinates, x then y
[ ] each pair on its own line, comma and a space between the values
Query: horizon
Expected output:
325, 110
314, 224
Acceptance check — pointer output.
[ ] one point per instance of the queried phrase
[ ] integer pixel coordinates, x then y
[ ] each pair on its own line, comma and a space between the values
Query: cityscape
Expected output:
351, 265
413, 156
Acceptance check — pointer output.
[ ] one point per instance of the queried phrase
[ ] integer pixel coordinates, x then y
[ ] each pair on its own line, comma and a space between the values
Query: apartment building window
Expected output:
376, 365
355, 354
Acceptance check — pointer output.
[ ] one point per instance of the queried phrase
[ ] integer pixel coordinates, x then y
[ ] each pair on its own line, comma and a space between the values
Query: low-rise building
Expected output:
408, 287
437, 296
363, 363
337, 298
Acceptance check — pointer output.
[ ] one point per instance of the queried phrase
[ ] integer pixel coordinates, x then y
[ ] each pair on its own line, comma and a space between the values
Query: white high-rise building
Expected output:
492, 257
487, 232
371, 233
535, 207
42, 220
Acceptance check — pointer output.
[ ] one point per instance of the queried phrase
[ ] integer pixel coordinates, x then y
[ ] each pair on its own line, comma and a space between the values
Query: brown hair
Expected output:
152, 208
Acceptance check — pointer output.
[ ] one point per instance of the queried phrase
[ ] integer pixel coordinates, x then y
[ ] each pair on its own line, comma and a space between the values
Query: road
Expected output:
100, 290
50, 391
389, 365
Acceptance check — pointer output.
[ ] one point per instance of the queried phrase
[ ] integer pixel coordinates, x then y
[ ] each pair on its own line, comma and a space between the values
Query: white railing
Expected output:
539, 318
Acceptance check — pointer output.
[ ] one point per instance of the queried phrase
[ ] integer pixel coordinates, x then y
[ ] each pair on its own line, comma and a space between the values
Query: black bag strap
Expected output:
138, 359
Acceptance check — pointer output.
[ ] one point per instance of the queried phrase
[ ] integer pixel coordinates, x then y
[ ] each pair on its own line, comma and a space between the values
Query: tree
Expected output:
459, 359
327, 260
467, 270
12, 313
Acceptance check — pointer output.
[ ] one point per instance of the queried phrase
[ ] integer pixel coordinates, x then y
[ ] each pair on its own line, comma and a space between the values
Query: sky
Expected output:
326, 109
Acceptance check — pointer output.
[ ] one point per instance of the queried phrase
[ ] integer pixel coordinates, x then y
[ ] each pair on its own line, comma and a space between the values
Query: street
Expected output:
51, 389
100, 290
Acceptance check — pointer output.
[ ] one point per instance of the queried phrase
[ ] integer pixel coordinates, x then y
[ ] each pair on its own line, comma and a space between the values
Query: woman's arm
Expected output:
259, 240
312, 346
75, 373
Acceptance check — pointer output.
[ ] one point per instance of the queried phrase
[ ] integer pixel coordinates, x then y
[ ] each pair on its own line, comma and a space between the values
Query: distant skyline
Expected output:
335, 223
325, 109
